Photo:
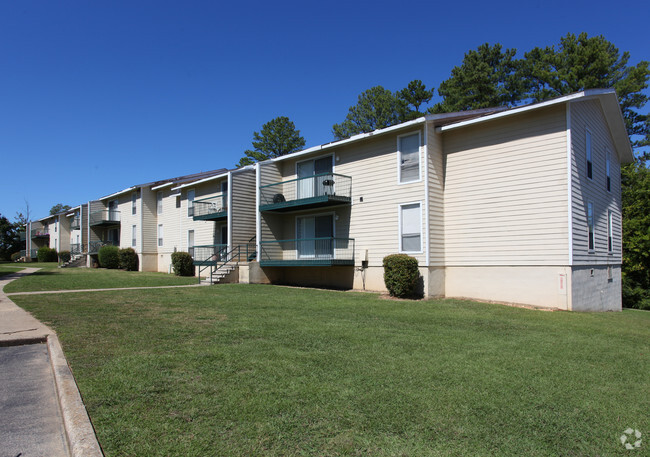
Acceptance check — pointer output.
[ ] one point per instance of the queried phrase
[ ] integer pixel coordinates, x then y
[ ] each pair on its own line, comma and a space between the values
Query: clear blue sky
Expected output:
97, 96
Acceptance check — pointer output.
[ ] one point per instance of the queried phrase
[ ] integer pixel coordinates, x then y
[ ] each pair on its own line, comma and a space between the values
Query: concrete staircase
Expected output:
78, 260
223, 274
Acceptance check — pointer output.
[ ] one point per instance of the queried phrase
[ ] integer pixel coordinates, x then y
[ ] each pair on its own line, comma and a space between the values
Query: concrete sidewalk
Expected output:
42, 411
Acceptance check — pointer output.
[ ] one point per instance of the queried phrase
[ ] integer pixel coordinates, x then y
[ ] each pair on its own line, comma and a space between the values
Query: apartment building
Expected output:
520, 205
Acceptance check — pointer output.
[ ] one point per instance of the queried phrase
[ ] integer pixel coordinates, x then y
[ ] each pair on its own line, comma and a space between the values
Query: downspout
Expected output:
258, 216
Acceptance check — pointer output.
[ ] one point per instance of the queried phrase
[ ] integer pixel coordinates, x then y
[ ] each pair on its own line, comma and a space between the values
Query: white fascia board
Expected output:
352, 139
73, 210
200, 181
616, 123
167, 184
129, 189
590, 93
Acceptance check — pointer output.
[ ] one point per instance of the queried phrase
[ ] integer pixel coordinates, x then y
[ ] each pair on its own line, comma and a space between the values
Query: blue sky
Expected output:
98, 96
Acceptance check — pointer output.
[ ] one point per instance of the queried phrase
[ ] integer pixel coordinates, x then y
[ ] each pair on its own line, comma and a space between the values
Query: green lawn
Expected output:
254, 370
52, 278
7, 268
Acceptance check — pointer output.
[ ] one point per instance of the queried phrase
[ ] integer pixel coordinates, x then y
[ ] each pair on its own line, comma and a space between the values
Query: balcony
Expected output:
208, 254
40, 234
326, 189
94, 246
23, 236
104, 218
33, 253
23, 253
75, 224
322, 252
210, 209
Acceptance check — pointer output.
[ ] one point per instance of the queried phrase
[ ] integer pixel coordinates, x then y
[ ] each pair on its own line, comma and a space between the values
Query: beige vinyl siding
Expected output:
243, 207
205, 232
127, 221
506, 194
436, 198
149, 221
64, 232
374, 223
83, 226
588, 115
96, 233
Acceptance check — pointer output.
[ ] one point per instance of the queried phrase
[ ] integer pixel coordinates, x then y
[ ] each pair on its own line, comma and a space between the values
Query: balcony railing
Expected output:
33, 253
23, 236
325, 189
209, 254
40, 233
75, 224
105, 217
307, 252
77, 248
23, 253
94, 246
210, 209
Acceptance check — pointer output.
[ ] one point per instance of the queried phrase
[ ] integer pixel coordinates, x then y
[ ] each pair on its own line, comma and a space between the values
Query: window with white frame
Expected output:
190, 242
190, 203
134, 231
410, 228
160, 234
409, 157
607, 170
590, 164
610, 231
590, 226
159, 202
134, 198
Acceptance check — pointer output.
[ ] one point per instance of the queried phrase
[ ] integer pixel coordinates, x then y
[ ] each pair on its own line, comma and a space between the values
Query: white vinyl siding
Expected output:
588, 116
506, 190
190, 242
160, 235
134, 235
436, 198
134, 203
410, 228
159, 202
409, 157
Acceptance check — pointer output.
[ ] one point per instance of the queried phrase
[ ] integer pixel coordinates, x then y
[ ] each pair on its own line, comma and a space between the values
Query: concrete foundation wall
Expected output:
535, 285
593, 291
148, 262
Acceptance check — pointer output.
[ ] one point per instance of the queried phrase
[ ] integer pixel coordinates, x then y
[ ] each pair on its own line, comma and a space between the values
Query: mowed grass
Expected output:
52, 278
254, 370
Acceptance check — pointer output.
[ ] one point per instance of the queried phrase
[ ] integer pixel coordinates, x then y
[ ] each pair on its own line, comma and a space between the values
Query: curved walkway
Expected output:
42, 410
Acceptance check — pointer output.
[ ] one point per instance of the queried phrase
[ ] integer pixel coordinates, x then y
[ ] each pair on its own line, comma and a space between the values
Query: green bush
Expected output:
401, 275
64, 256
635, 296
45, 254
15, 256
183, 264
108, 257
128, 259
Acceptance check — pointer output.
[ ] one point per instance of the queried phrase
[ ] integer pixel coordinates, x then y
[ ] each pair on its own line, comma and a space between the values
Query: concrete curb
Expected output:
79, 430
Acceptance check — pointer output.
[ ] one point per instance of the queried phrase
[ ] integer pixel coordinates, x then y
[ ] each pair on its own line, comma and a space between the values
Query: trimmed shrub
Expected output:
183, 264
128, 259
401, 275
45, 254
64, 256
108, 257
15, 257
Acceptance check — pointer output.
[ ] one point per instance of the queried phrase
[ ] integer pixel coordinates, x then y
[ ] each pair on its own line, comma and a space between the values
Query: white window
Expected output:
607, 170
610, 232
134, 198
159, 201
590, 225
190, 242
590, 164
410, 228
134, 230
409, 157
160, 234
190, 203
